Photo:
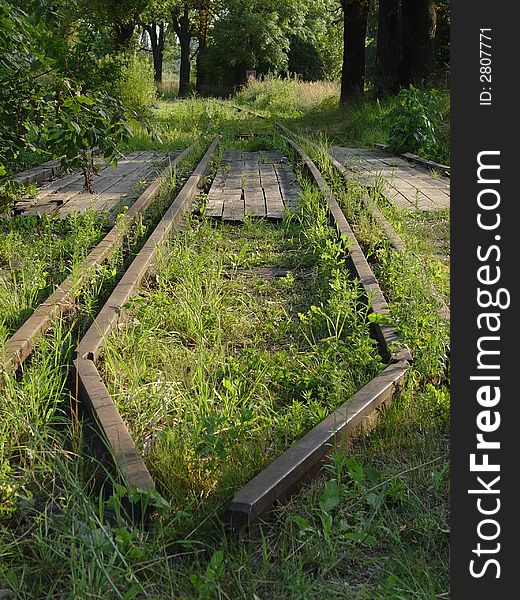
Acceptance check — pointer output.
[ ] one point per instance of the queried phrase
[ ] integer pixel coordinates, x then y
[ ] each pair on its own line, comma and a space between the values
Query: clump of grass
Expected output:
286, 97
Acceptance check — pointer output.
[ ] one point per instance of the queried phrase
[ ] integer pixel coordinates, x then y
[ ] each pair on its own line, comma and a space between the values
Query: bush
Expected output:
138, 91
287, 96
419, 125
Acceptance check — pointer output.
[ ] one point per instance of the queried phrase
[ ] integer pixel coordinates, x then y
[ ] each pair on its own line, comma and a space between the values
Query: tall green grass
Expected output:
35, 256
219, 367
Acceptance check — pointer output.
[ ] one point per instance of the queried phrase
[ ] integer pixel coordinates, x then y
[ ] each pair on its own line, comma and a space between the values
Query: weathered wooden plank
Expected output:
274, 203
114, 190
408, 186
214, 204
233, 206
75, 191
288, 184
60, 189
254, 202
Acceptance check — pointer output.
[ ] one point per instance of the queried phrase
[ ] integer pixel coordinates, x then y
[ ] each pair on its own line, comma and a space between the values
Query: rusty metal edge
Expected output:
304, 458
418, 160
279, 478
429, 164
92, 342
92, 392
94, 396
393, 237
386, 334
21, 344
391, 234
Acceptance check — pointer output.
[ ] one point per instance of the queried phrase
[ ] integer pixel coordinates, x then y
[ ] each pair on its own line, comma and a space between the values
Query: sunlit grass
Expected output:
219, 366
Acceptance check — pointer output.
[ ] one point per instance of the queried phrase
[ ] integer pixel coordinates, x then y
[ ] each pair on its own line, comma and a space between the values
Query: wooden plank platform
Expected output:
409, 186
113, 188
259, 184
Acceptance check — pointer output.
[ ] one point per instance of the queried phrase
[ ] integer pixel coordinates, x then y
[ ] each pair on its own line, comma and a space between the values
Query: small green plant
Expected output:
415, 124
137, 88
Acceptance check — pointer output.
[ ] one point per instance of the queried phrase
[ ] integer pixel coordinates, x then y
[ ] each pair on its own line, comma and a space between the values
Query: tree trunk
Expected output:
201, 74
355, 14
389, 47
123, 33
157, 43
181, 26
419, 25
202, 34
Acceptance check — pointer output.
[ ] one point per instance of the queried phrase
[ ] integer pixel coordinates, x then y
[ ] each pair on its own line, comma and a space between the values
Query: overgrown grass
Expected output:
287, 97
219, 366
373, 526
313, 108
35, 256
182, 122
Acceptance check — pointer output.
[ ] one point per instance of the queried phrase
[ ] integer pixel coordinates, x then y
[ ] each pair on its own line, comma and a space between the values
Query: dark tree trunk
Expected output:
157, 43
201, 73
389, 47
203, 44
181, 26
419, 25
123, 33
355, 14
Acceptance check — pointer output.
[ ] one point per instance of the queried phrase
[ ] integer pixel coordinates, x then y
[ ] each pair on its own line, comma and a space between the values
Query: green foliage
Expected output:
316, 51
52, 104
83, 123
250, 35
415, 124
138, 91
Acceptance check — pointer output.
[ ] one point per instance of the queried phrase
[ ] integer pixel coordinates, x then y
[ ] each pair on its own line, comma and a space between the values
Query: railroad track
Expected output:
301, 460
21, 344
91, 390
391, 234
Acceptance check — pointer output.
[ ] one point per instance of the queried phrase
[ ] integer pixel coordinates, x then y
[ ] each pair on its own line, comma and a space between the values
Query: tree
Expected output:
316, 49
419, 26
355, 14
121, 16
156, 33
181, 23
389, 47
252, 35
43, 111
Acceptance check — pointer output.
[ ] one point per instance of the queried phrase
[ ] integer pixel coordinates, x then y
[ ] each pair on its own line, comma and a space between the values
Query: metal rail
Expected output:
21, 344
393, 237
305, 457
92, 392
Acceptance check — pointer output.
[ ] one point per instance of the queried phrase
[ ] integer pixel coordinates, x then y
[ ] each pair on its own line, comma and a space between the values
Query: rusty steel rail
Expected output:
387, 336
21, 344
391, 234
393, 237
92, 392
305, 457
419, 160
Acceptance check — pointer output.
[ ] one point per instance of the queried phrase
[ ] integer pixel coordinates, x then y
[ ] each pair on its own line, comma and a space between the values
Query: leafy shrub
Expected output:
138, 91
417, 125
45, 111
